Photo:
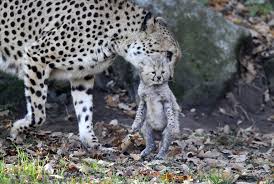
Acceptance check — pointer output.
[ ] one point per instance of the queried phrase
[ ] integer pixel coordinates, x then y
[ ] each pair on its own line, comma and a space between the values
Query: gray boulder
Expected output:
210, 45
269, 68
11, 91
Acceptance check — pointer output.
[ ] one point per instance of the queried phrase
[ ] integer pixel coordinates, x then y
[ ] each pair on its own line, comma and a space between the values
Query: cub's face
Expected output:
155, 73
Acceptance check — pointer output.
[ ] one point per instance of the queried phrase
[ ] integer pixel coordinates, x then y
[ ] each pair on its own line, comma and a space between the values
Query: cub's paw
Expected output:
147, 151
160, 156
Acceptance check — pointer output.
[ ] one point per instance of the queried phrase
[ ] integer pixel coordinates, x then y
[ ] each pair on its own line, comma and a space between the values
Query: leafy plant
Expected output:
3, 177
217, 177
204, 2
259, 7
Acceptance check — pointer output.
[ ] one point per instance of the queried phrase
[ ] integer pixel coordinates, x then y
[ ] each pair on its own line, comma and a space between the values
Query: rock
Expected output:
11, 90
200, 131
210, 46
126, 76
49, 168
269, 68
227, 129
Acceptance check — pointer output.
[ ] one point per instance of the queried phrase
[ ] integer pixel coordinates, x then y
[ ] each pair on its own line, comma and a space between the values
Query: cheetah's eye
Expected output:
153, 72
163, 72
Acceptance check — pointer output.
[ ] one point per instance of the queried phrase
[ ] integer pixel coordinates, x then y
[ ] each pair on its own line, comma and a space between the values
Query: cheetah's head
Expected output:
153, 43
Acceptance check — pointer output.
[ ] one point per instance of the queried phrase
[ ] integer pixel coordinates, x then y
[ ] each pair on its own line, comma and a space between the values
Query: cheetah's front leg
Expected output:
81, 90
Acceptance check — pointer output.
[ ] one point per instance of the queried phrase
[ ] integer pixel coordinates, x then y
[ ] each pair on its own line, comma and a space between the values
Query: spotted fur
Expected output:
74, 40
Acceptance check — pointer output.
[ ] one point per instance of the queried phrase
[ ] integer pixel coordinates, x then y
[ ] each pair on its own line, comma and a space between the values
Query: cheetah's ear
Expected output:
161, 21
148, 23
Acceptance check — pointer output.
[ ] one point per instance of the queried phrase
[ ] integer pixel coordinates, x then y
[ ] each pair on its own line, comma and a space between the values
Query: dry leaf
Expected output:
126, 142
4, 113
239, 158
56, 134
124, 106
114, 122
72, 167
112, 101
170, 177
135, 157
49, 168
226, 129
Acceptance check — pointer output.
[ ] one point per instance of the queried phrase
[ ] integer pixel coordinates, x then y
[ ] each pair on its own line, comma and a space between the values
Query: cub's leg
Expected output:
171, 130
36, 75
147, 132
165, 143
81, 90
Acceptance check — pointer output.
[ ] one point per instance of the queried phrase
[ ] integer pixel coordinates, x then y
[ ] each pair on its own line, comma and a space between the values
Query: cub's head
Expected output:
154, 43
155, 72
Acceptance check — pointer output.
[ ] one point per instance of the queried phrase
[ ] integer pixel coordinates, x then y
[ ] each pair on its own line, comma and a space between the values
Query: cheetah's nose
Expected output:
159, 78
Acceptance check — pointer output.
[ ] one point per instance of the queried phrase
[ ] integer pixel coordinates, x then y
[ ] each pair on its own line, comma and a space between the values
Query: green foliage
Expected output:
259, 7
3, 177
216, 177
26, 171
204, 2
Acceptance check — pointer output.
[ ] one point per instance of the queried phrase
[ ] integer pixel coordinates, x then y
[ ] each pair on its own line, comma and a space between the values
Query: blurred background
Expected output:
226, 75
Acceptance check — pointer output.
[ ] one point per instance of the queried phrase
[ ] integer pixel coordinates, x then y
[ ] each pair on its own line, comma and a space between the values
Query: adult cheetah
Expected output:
74, 40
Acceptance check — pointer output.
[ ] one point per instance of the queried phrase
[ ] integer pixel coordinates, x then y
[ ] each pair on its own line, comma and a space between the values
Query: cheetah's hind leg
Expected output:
35, 81
165, 143
82, 94
147, 132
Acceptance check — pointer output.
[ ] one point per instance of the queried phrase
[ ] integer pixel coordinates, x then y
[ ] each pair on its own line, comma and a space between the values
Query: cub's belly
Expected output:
158, 124
156, 116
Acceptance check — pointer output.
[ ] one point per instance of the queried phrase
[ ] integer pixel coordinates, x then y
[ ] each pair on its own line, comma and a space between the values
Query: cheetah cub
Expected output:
158, 111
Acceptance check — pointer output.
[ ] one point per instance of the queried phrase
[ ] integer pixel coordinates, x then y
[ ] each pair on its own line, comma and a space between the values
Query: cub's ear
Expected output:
161, 21
141, 66
148, 23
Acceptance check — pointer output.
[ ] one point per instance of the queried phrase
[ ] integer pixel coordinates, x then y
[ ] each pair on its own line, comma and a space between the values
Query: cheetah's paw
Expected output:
90, 143
17, 126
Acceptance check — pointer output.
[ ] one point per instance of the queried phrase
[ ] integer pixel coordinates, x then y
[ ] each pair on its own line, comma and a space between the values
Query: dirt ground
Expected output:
61, 113
212, 146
